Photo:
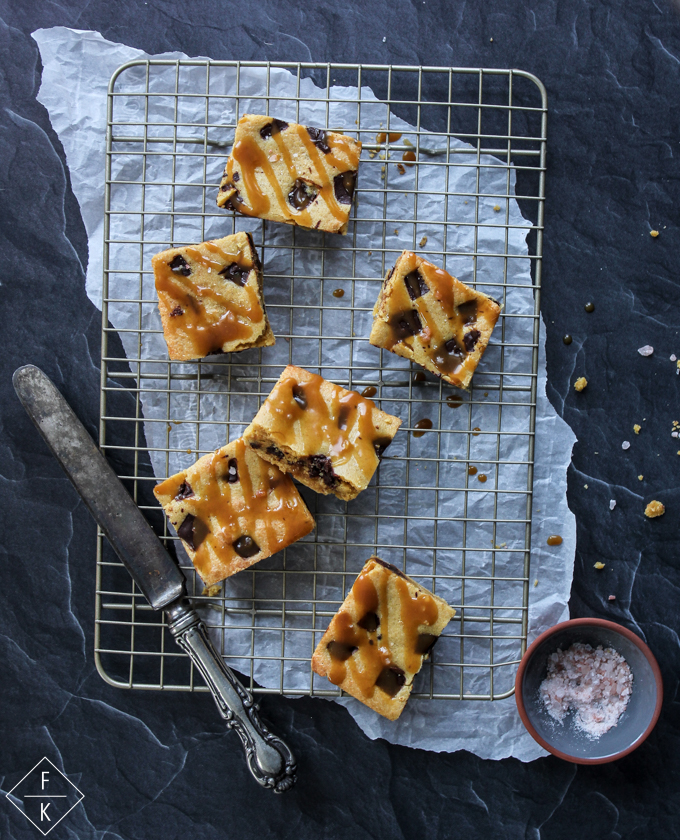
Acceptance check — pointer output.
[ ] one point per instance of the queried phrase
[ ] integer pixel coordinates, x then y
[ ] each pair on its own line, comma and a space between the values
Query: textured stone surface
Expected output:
162, 765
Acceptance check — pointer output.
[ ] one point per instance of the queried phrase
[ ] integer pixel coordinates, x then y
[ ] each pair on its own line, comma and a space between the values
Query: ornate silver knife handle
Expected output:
270, 760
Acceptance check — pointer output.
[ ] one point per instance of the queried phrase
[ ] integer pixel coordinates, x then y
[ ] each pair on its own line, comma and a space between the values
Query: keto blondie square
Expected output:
329, 438
379, 638
290, 173
210, 298
425, 314
232, 509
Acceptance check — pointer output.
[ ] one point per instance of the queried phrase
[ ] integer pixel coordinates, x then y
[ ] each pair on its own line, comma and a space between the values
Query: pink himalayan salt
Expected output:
595, 683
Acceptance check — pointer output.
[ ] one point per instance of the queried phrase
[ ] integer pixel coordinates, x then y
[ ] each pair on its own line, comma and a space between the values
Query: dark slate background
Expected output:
156, 765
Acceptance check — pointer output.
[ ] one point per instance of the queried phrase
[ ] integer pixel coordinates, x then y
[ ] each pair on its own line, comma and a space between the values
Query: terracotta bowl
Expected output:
563, 739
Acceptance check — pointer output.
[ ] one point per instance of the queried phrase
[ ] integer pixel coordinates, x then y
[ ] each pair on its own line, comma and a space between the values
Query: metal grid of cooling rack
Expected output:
452, 527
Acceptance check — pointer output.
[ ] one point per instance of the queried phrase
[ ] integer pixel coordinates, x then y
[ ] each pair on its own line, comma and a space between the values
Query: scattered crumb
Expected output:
491, 40
372, 154
625, 444
423, 242
536, 582
640, 477
497, 208
585, 486
580, 383
654, 233
612, 502
212, 591
396, 231
612, 598
401, 169
647, 350
599, 565
636, 428
407, 142
654, 509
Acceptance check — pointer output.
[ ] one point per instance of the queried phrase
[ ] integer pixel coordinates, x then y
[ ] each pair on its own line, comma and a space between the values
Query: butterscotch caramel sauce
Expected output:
338, 293
369, 391
199, 310
481, 477
410, 314
472, 470
421, 425
327, 150
419, 377
554, 539
360, 648
341, 428
224, 509
409, 158
453, 402
382, 137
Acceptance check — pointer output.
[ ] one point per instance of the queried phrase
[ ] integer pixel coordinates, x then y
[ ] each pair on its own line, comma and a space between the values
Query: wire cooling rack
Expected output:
451, 504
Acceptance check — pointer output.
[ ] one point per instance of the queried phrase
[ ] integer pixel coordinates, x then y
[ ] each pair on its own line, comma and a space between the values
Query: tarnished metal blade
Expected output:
154, 571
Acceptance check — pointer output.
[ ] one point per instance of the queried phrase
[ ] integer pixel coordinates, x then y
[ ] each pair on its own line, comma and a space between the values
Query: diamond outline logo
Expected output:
8, 795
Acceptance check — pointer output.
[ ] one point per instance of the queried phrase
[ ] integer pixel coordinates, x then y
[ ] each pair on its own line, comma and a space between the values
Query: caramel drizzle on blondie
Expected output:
250, 156
230, 506
409, 314
343, 428
209, 329
360, 649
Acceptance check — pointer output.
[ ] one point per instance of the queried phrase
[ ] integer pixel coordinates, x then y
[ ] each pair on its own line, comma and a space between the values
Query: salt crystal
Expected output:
674, 434
625, 444
674, 358
612, 504
595, 683
647, 350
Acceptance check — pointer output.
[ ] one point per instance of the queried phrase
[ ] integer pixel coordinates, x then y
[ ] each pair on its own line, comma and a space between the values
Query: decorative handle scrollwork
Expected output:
270, 760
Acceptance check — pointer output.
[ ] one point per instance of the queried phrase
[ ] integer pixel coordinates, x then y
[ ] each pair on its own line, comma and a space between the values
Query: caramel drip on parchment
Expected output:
372, 652
343, 429
250, 156
205, 330
449, 360
230, 510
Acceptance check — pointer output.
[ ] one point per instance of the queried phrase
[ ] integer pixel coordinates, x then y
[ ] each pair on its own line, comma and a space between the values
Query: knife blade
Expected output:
156, 574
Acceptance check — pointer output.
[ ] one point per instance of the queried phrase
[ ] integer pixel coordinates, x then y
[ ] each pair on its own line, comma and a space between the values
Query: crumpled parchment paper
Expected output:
77, 67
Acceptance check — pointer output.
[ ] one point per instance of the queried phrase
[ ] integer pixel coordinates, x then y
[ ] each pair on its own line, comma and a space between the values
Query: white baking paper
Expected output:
77, 67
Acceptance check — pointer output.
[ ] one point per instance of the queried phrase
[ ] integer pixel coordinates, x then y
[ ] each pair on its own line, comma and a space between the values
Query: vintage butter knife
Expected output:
157, 575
